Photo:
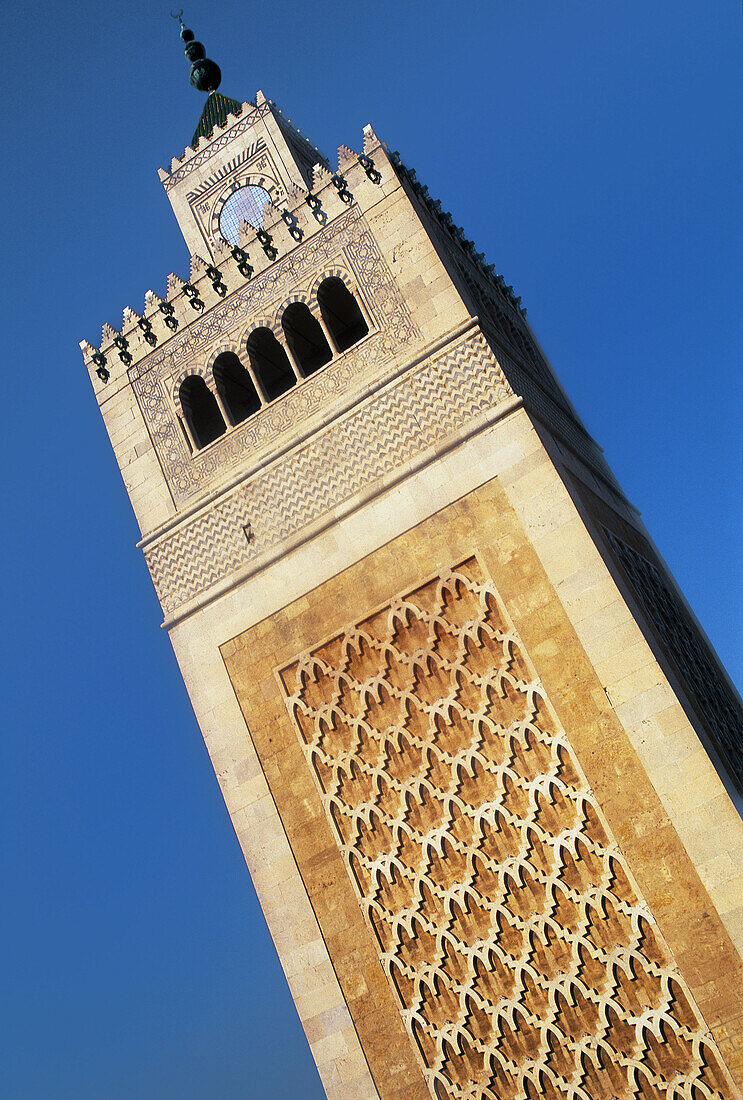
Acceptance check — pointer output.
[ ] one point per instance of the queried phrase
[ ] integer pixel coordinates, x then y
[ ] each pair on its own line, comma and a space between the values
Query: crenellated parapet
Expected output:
249, 113
456, 234
304, 213
192, 152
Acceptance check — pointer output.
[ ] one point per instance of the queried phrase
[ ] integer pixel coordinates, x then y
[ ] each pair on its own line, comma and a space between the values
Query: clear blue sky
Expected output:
593, 152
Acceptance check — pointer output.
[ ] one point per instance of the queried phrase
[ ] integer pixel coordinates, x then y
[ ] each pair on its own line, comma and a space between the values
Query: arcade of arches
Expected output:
272, 367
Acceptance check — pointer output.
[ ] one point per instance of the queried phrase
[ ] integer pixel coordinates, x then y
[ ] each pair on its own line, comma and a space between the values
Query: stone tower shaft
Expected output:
476, 749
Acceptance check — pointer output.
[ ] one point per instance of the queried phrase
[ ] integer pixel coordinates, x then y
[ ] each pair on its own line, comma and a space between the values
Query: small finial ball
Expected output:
194, 51
186, 34
205, 75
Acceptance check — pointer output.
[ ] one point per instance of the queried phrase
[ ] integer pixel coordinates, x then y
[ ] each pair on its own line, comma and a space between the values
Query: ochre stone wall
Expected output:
484, 853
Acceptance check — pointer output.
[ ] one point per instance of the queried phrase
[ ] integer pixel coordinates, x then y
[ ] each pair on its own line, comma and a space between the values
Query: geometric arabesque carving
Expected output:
346, 244
525, 963
396, 425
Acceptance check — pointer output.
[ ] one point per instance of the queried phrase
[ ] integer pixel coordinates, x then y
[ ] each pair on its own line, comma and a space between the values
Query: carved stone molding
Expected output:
421, 409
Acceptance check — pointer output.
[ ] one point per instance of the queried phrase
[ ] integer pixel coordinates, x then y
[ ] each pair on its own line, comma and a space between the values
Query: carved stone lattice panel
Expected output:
421, 409
347, 243
524, 961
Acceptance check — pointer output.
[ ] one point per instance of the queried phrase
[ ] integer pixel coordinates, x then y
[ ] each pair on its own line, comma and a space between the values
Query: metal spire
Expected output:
205, 75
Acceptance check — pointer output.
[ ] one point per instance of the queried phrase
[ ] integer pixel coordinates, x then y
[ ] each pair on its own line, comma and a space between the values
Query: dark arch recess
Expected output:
341, 313
306, 338
201, 410
235, 387
270, 363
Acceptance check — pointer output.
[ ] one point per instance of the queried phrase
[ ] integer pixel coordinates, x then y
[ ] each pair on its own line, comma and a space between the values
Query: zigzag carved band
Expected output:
423, 408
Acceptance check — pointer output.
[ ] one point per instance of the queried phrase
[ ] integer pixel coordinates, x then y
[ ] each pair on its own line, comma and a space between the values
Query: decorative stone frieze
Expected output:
420, 410
347, 245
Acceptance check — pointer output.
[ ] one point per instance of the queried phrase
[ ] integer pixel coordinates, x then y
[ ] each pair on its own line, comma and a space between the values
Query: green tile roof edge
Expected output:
216, 111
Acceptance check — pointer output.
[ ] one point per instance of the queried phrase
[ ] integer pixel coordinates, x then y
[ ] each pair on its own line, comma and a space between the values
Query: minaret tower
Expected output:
476, 749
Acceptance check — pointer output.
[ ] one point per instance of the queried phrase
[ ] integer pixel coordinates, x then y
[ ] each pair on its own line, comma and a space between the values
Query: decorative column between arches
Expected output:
284, 343
255, 380
188, 433
226, 416
328, 334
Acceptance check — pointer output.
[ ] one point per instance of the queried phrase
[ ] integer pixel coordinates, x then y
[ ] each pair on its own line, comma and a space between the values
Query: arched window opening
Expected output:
235, 387
306, 338
270, 362
201, 410
341, 313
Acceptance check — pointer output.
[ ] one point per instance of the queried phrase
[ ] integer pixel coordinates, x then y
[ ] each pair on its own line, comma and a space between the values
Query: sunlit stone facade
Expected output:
477, 751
